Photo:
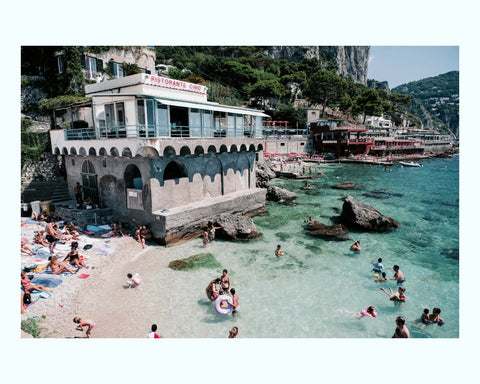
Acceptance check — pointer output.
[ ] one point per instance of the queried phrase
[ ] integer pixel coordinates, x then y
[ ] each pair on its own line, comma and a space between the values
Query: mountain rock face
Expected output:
351, 60
374, 84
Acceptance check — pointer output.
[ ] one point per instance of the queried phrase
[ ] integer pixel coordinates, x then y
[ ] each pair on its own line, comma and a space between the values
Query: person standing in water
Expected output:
225, 281
398, 275
401, 332
278, 251
235, 302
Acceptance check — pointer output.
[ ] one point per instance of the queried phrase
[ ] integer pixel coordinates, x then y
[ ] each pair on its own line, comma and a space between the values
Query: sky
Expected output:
402, 64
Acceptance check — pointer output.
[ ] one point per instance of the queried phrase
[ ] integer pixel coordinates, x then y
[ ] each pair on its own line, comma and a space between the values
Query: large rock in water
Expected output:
264, 174
328, 232
235, 227
363, 216
280, 195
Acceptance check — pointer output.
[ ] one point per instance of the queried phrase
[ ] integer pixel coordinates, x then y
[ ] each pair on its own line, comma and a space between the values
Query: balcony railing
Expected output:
152, 131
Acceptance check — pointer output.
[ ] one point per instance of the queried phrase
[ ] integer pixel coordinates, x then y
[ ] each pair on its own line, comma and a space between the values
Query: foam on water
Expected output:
317, 287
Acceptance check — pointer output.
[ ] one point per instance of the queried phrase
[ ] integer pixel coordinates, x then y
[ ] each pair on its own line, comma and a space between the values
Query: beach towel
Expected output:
43, 253
35, 295
83, 276
49, 272
106, 250
106, 226
46, 281
93, 228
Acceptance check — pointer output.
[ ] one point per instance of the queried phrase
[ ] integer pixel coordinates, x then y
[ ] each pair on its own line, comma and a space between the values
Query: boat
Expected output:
410, 164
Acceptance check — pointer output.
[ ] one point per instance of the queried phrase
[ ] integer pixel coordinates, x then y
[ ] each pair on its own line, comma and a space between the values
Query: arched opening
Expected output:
82, 152
243, 148
89, 182
73, 151
114, 152
175, 170
133, 187
199, 150
233, 148
102, 152
251, 148
169, 152
92, 152
260, 147
56, 151
64, 151
223, 148
212, 149
147, 151
126, 152
133, 177
184, 151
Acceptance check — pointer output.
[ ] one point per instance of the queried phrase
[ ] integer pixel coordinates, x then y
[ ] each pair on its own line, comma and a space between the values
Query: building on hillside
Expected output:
157, 152
95, 63
378, 122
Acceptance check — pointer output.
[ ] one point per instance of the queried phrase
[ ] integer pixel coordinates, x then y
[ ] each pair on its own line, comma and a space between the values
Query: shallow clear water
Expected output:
314, 290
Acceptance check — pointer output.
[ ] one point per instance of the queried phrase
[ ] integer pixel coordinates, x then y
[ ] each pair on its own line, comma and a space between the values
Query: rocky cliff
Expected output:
351, 60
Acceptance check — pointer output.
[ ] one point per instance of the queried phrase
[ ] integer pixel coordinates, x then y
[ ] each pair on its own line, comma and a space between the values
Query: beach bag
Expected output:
27, 299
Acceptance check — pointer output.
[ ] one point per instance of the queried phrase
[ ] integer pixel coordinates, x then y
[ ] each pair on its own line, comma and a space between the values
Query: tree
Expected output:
369, 103
130, 69
287, 112
399, 102
325, 88
265, 89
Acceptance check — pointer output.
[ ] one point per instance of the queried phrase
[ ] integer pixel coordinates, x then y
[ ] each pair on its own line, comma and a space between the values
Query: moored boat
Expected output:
410, 164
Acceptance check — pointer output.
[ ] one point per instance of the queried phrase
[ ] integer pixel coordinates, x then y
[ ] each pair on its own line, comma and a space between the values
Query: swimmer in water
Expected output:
369, 312
278, 251
398, 275
356, 246
397, 296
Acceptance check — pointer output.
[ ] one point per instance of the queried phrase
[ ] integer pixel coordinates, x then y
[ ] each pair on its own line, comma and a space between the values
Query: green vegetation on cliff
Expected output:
435, 100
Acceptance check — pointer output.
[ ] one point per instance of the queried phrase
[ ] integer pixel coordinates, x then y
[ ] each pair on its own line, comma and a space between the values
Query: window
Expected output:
60, 64
116, 69
146, 117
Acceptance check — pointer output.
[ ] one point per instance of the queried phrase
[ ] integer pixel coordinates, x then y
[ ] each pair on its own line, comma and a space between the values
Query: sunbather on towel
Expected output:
40, 239
25, 248
28, 286
58, 267
74, 257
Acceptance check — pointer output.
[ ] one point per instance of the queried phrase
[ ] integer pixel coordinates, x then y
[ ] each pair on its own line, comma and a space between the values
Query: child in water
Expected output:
369, 312
278, 251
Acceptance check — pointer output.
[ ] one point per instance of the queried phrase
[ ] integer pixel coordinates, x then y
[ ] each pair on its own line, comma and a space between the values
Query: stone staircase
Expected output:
54, 191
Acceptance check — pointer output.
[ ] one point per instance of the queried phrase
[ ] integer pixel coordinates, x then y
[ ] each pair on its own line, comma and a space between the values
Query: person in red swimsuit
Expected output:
28, 286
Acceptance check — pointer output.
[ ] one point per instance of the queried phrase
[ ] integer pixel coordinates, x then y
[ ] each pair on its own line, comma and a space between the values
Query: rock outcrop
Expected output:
344, 186
264, 174
337, 232
280, 195
364, 217
350, 60
235, 227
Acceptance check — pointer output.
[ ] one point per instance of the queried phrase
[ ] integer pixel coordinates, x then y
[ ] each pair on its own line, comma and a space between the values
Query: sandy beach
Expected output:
102, 296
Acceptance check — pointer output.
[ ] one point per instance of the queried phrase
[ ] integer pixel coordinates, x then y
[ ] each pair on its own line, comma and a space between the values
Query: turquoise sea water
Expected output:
314, 290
